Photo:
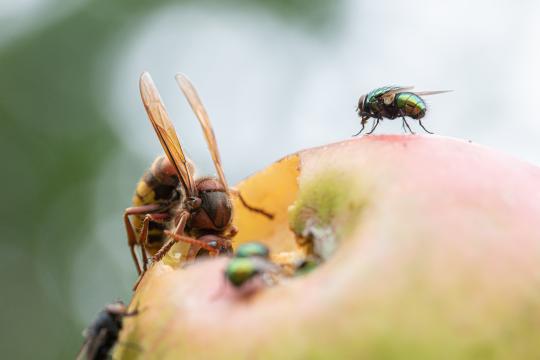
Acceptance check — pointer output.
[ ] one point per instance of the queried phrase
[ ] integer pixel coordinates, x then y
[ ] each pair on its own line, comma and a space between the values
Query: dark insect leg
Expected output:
407, 125
363, 123
131, 313
130, 345
375, 124
132, 237
249, 207
362, 129
422, 125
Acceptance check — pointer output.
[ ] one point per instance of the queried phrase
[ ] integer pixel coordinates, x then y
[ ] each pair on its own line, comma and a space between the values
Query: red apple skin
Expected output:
442, 262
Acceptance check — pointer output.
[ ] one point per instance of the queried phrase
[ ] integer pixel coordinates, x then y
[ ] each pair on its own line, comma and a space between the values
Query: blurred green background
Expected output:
276, 75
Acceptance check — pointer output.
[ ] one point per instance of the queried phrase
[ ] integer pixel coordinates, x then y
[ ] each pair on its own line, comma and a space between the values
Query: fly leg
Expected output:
405, 123
362, 129
132, 237
363, 123
426, 130
375, 124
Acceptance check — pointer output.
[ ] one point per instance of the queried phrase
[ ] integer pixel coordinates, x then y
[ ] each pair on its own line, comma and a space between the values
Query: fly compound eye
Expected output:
361, 103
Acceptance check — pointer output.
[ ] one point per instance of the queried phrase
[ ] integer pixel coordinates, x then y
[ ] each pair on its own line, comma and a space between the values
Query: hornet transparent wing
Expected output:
198, 108
165, 131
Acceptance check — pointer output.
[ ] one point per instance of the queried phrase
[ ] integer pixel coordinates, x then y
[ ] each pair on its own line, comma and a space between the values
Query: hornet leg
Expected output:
132, 237
183, 218
143, 237
167, 246
196, 246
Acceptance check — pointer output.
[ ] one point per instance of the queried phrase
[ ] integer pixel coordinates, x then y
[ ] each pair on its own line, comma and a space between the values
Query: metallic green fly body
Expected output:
306, 266
250, 262
240, 271
252, 249
391, 102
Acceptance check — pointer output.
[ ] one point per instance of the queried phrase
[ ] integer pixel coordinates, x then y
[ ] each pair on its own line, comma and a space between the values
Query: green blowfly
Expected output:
391, 102
240, 271
252, 249
250, 262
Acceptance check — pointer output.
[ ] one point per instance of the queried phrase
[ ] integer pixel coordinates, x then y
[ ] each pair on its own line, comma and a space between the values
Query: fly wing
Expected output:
425, 93
198, 108
95, 344
397, 89
388, 97
165, 131
82, 355
91, 346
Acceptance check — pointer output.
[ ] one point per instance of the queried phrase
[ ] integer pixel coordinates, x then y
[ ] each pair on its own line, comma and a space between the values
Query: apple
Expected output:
429, 249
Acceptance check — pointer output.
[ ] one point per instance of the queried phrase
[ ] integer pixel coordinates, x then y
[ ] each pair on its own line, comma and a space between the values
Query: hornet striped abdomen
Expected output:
158, 186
